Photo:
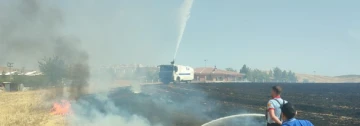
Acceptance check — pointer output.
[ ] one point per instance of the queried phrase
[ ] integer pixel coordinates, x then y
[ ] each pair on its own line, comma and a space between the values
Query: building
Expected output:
9, 86
206, 74
16, 71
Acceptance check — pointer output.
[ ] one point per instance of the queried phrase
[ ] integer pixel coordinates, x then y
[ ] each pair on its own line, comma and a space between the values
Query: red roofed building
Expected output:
214, 74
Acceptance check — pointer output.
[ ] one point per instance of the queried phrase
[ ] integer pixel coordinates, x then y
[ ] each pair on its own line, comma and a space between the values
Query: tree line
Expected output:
273, 75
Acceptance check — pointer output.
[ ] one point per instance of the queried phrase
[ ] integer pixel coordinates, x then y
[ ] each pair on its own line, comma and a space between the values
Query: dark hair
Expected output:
277, 89
288, 110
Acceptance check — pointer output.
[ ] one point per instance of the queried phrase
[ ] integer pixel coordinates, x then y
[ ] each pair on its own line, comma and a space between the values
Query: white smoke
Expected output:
184, 15
133, 32
86, 114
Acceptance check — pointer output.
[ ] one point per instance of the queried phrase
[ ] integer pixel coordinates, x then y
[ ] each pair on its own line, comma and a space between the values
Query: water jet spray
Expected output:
219, 120
184, 16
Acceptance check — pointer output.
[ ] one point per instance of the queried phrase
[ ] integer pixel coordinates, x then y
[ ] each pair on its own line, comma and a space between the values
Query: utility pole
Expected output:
10, 65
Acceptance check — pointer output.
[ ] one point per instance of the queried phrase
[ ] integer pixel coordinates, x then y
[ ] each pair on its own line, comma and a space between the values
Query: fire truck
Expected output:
176, 73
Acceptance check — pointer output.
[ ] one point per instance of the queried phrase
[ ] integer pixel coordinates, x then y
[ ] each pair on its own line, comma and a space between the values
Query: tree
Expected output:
257, 75
249, 76
270, 75
3, 76
230, 69
244, 69
284, 76
267, 77
292, 77
277, 74
54, 69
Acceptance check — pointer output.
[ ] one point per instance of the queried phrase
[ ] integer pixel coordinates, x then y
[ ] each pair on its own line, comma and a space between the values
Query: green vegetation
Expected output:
54, 70
275, 75
35, 82
3, 77
230, 69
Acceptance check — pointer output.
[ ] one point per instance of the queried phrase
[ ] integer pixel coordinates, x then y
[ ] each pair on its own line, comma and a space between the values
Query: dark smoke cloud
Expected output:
31, 30
28, 31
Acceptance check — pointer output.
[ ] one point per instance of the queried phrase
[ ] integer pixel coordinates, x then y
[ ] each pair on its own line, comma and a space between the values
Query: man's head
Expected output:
288, 111
275, 91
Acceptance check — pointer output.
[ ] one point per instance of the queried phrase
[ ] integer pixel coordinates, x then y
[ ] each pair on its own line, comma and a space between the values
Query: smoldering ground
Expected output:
174, 105
123, 106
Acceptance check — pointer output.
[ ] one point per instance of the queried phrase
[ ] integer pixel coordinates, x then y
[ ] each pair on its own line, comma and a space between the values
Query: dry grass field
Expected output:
327, 79
27, 109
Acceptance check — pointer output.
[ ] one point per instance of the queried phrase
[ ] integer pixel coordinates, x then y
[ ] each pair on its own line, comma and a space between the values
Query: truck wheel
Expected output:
177, 80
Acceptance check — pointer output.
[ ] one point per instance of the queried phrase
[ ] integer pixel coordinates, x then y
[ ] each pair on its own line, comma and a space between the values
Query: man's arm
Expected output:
273, 117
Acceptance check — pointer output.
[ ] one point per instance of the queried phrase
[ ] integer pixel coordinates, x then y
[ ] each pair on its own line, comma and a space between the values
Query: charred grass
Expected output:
322, 104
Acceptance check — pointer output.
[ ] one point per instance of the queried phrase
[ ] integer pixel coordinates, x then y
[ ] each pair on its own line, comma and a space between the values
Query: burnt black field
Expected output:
196, 104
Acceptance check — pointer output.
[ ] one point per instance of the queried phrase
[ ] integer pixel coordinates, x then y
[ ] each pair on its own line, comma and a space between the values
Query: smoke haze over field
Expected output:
123, 31
127, 32
33, 29
28, 31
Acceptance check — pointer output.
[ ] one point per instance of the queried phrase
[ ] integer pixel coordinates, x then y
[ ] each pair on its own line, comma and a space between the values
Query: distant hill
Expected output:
348, 76
328, 79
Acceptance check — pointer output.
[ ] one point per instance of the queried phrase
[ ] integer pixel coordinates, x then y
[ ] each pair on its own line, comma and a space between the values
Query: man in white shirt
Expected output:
273, 112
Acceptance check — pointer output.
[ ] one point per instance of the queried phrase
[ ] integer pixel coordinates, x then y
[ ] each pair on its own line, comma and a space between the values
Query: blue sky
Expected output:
303, 36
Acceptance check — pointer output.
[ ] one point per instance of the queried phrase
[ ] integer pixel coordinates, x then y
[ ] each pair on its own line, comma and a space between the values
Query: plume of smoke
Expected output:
184, 16
79, 73
28, 30
31, 30
88, 114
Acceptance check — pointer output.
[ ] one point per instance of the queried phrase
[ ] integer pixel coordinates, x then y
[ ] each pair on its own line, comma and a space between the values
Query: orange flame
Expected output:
61, 108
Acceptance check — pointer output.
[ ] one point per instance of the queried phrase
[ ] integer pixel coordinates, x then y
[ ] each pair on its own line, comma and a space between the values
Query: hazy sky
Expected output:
300, 35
